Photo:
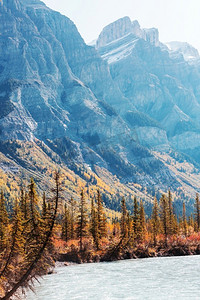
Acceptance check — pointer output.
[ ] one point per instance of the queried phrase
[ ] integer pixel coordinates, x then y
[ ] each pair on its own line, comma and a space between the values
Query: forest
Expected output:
38, 231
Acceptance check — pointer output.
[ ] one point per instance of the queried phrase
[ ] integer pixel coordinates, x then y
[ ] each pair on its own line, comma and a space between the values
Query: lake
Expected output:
151, 278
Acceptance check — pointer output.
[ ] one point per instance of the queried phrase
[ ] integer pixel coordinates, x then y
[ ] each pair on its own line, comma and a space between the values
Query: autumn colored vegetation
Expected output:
26, 249
39, 231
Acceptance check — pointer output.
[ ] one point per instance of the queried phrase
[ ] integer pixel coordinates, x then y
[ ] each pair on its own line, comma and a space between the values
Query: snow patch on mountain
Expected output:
120, 52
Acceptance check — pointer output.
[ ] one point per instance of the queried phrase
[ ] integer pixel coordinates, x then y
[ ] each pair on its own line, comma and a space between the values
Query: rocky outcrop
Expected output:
152, 36
124, 27
189, 53
114, 31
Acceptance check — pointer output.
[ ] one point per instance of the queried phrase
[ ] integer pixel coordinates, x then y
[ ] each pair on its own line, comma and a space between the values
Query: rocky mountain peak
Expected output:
114, 31
152, 36
123, 27
137, 30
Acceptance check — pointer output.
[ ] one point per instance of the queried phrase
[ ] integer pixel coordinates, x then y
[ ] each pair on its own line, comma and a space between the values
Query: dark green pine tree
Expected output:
73, 217
3, 222
66, 224
171, 215
129, 226
185, 226
101, 220
82, 220
17, 241
104, 226
155, 221
123, 223
136, 218
23, 201
191, 221
114, 222
34, 229
142, 227
164, 216
94, 224
197, 213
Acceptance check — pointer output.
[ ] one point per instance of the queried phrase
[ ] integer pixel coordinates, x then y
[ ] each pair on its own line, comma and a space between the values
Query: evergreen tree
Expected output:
129, 225
34, 229
142, 227
94, 224
73, 217
101, 220
16, 247
155, 221
173, 226
23, 199
136, 218
197, 212
191, 221
185, 229
24, 205
35, 219
44, 207
35, 262
164, 216
66, 226
104, 226
171, 215
123, 222
114, 221
3, 222
82, 220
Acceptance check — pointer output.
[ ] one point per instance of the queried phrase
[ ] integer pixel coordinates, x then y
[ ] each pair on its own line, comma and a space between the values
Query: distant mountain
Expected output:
121, 112
189, 53
157, 80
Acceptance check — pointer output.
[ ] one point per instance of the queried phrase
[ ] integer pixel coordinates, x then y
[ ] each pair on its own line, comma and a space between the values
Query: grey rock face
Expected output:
123, 27
159, 83
152, 36
115, 31
189, 53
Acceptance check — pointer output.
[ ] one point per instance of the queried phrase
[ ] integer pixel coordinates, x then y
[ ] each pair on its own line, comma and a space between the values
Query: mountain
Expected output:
189, 53
114, 116
157, 80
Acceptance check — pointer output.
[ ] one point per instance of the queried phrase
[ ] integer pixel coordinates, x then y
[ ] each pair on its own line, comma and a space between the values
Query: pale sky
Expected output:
177, 20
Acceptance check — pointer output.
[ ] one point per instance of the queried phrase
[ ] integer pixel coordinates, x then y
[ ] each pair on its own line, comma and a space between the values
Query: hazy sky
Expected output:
177, 20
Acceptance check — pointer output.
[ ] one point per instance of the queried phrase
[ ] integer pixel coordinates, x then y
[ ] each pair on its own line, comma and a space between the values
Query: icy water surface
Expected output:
151, 278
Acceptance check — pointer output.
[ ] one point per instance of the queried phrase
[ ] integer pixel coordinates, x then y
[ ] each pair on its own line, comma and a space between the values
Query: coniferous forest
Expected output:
39, 230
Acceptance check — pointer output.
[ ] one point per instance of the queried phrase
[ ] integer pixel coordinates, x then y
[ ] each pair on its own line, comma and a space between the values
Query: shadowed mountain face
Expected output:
108, 107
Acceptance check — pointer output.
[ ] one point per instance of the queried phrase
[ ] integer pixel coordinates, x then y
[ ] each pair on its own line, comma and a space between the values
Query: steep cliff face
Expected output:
157, 81
124, 27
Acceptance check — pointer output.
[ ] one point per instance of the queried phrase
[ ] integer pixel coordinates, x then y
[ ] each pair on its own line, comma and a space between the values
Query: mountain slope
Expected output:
61, 98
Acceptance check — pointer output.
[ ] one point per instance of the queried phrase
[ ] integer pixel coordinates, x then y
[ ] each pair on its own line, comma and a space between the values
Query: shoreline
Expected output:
77, 257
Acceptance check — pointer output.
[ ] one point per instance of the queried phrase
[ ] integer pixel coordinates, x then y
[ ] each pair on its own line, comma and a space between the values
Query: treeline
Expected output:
26, 249
26, 244
80, 221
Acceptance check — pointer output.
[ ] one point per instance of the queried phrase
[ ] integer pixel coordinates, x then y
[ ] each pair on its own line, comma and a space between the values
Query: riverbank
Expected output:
120, 252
